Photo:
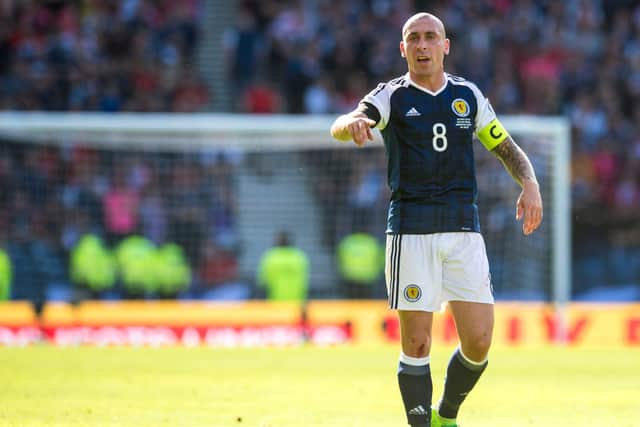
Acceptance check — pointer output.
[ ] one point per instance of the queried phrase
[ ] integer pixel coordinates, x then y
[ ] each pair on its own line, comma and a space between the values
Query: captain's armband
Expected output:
492, 134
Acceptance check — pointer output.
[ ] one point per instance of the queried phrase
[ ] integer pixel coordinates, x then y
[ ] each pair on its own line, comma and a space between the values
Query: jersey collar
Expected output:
424, 89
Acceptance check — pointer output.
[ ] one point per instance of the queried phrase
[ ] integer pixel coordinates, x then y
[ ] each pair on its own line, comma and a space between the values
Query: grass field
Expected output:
297, 387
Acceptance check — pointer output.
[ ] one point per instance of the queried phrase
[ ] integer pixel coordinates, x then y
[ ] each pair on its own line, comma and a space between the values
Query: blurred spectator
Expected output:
260, 98
218, 274
220, 190
172, 271
368, 194
32, 274
153, 213
360, 261
120, 205
319, 97
190, 93
6, 274
187, 216
84, 184
135, 256
283, 271
243, 45
92, 266
218, 267
606, 166
589, 119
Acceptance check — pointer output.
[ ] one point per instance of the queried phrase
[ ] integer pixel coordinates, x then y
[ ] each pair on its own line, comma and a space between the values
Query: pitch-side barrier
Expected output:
259, 323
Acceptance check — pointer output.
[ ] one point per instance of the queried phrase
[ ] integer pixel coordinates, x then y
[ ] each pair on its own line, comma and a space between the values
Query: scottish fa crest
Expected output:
412, 293
460, 107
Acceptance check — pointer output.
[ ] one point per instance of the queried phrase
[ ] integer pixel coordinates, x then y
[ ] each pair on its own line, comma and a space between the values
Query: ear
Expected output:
447, 45
402, 52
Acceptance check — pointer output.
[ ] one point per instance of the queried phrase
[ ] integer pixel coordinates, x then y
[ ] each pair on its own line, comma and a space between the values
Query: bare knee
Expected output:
416, 345
415, 329
476, 347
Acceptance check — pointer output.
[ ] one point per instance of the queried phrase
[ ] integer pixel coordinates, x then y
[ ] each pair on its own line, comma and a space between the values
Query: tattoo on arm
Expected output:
514, 160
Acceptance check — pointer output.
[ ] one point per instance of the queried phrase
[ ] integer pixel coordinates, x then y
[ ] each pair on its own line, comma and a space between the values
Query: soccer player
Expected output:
435, 252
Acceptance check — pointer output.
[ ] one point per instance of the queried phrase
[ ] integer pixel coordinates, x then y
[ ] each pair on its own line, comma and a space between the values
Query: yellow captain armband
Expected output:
492, 134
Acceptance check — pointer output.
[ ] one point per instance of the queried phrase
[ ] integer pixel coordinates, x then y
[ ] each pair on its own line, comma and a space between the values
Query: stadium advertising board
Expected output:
321, 323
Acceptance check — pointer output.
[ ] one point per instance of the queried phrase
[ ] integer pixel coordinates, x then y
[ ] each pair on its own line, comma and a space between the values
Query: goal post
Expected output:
557, 131
287, 173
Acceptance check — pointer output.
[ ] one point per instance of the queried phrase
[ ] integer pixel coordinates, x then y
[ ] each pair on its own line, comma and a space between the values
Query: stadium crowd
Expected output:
98, 55
577, 58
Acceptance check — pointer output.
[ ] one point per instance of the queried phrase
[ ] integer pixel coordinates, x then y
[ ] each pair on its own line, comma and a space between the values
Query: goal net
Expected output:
223, 186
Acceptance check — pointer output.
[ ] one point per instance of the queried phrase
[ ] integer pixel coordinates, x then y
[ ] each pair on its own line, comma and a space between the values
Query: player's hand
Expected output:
529, 207
360, 130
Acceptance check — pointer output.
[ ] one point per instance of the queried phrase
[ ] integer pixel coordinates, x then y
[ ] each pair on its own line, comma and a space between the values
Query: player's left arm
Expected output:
529, 204
497, 140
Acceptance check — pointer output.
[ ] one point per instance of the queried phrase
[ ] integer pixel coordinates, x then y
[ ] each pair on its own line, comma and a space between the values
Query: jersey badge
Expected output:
460, 107
412, 113
412, 293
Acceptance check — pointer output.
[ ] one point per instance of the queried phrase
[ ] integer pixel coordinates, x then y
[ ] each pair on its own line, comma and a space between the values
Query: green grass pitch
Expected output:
341, 386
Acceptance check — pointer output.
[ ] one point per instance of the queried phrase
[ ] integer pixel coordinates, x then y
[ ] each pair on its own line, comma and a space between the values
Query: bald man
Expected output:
435, 253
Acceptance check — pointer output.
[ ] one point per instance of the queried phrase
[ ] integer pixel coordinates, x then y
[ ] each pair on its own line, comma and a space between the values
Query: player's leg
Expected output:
474, 322
414, 372
466, 284
413, 275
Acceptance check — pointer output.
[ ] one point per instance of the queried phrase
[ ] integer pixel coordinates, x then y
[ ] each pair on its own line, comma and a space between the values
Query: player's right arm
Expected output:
354, 126
373, 111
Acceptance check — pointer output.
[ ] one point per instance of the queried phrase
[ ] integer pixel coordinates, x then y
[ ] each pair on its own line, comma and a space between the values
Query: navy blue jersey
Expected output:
428, 137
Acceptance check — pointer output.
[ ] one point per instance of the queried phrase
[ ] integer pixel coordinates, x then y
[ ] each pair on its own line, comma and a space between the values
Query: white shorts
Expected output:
423, 271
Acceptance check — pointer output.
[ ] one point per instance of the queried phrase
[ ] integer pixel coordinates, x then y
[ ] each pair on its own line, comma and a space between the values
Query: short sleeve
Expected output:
379, 98
369, 110
485, 113
488, 128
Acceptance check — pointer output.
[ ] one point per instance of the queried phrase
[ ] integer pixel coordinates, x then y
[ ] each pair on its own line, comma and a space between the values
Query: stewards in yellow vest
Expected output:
360, 262
92, 265
5, 275
284, 271
172, 270
136, 262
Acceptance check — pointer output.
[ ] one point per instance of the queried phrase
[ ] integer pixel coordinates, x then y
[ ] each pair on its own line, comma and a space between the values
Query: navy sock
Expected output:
416, 389
462, 375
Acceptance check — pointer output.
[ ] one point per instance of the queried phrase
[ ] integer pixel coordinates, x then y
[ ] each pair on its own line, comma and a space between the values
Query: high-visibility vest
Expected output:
5, 275
136, 263
284, 272
92, 264
172, 269
360, 258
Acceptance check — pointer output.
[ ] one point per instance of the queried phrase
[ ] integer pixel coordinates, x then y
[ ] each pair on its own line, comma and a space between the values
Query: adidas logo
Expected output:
418, 410
412, 113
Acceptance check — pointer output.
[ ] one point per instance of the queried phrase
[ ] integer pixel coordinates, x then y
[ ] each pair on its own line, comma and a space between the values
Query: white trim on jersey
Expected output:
380, 97
485, 113
383, 108
424, 89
